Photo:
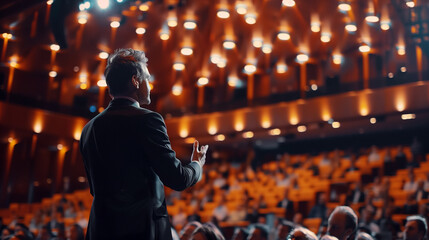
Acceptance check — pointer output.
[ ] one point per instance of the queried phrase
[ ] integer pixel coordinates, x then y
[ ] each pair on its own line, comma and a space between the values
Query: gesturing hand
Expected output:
199, 155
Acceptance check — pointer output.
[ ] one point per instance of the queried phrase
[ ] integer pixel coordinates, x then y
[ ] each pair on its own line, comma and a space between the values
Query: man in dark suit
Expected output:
128, 158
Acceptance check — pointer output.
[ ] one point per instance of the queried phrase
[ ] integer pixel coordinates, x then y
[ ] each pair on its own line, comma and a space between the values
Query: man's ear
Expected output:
135, 81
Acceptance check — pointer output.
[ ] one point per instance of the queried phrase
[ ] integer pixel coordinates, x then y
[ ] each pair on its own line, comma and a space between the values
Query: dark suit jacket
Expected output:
128, 159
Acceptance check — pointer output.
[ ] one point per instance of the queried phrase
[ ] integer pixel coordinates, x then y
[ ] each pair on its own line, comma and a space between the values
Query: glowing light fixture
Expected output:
385, 25
288, 3
83, 86
403, 69
275, 132
281, 68
190, 24
178, 66
49, 2
177, 89
337, 59
221, 63
102, 83
140, 30
7, 36
373, 120
202, 81
223, 13
144, 7
315, 27
220, 138
233, 81
364, 48
103, 4
301, 128
248, 134
314, 87
250, 67
336, 125
52, 74
250, 18
257, 42
241, 8
164, 35
115, 24
282, 35
351, 27
401, 50
215, 58
408, 116
212, 130
82, 18
344, 6
325, 37
371, 18
302, 58
186, 51
183, 133
228, 44
172, 21
267, 48
410, 3
55, 47
103, 55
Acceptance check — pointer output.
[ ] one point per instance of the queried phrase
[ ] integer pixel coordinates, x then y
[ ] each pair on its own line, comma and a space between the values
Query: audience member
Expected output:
76, 232
286, 204
207, 231
420, 193
415, 228
301, 233
328, 237
411, 184
364, 236
400, 158
188, 229
373, 155
258, 232
240, 234
319, 210
284, 227
342, 222
356, 195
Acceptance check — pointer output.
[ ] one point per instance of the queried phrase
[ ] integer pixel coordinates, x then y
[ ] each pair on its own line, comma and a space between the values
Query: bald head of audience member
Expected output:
342, 222
415, 228
188, 229
301, 233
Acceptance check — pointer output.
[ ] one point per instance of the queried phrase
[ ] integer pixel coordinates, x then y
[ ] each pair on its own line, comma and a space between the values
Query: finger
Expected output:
196, 146
205, 148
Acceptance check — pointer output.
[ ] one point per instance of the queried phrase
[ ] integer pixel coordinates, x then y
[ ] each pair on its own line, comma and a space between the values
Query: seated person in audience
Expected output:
364, 236
301, 233
388, 164
326, 161
258, 232
44, 234
313, 166
221, 212
207, 231
188, 229
287, 205
76, 232
240, 234
415, 228
319, 210
238, 214
356, 195
328, 237
298, 220
400, 158
410, 206
353, 167
411, 185
179, 219
420, 193
342, 222
387, 224
6, 233
284, 227
368, 221
373, 155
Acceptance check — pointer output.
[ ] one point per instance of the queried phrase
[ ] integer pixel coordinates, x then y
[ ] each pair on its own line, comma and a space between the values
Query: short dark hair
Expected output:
351, 218
263, 228
210, 231
122, 65
421, 223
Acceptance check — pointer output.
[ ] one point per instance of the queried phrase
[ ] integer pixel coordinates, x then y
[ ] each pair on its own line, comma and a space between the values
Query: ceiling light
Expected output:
385, 25
55, 47
164, 35
364, 48
241, 8
215, 58
140, 30
301, 128
115, 24
336, 125
401, 50
144, 7
288, 3
373, 120
186, 51
315, 27
234, 82
410, 3
344, 6
223, 13
408, 116
221, 63
103, 4
190, 24
178, 66
314, 87
52, 74
267, 48
275, 132
390, 75
183, 133
202, 81
172, 21
248, 134
177, 89
102, 83
103, 55
49, 2
220, 137
82, 18
325, 37
250, 67
250, 18
281, 68
301, 58
228, 44
257, 42
337, 59
283, 35
403, 69
371, 18
351, 27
